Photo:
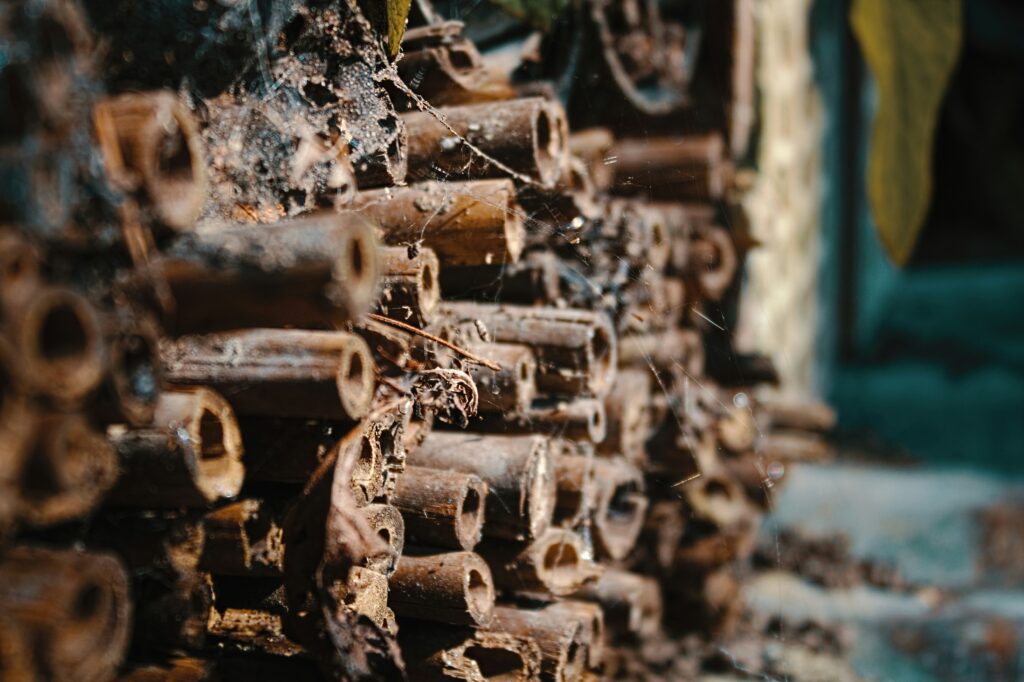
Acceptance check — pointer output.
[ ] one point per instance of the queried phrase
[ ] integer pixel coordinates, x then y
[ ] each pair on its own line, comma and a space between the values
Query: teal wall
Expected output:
929, 359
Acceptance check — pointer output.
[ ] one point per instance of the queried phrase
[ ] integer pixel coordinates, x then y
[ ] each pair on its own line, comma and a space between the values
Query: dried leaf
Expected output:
911, 47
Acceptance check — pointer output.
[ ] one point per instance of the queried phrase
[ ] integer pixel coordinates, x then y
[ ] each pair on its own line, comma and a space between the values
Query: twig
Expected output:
489, 364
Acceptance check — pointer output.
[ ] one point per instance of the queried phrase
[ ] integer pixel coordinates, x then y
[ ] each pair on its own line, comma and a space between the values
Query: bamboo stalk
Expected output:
194, 442
553, 565
562, 641
441, 508
620, 505
278, 372
510, 388
410, 290
455, 588
386, 521
580, 419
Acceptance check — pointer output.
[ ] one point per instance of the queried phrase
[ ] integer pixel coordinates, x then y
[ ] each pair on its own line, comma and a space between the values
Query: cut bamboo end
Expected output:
68, 468
386, 521
562, 641
554, 565
19, 270
628, 413
714, 262
410, 290
74, 606
455, 588
662, 532
512, 388
631, 603
591, 620
619, 507
441, 508
465, 223
518, 471
151, 141
194, 441
716, 498
574, 473
59, 341
243, 539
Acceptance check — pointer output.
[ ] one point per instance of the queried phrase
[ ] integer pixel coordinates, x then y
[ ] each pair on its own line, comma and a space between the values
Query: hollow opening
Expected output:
39, 479
524, 371
478, 591
357, 257
6, 389
544, 135
561, 561
595, 420
574, 659
623, 506
138, 369
385, 535
356, 368
428, 278
211, 436
62, 335
174, 158
715, 487
601, 347
87, 602
461, 59
470, 510
496, 664
16, 266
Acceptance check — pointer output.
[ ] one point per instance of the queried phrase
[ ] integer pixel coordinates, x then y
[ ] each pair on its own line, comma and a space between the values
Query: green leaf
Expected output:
911, 47
539, 14
398, 12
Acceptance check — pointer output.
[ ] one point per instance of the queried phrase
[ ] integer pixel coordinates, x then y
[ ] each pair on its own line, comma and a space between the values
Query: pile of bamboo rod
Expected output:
356, 368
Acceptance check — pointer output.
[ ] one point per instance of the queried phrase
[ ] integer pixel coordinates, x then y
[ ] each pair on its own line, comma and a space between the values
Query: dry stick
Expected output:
73, 605
436, 339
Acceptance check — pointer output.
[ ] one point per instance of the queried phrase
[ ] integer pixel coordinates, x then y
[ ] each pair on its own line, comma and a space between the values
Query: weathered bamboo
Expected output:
74, 606
736, 430
579, 419
592, 625
511, 388
631, 603
437, 652
151, 144
248, 631
674, 348
627, 415
713, 262
244, 539
534, 279
528, 136
465, 223
815, 417
441, 508
445, 71
717, 499
386, 521
387, 342
67, 469
594, 147
365, 593
518, 471
562, 641
619, 506
554, 565
278, 372
575, 349
19, 270
57, 338
410, 290
455, 588
135, 373
194, 443
577, 489
16, 652
316, 271
662, 532
793, 446
676, 169
749, 471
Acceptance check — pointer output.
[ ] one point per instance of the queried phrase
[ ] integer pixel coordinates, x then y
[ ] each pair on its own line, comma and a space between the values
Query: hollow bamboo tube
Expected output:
627, 415
441, 508
619, 506
57, 337
631, 603
575, 349
244, 538
528, 136
736, 430
790, 415
579, 419
793, 446
592, 625
278, 372
465, 223
15, 652
410, 290
151, 143
690, 168
574, 474
518, 472
74, 606
455, 588
553, 565
19, 271
713, 262
749, 471
562, 641
594, 147
716, 498
194, 443
316, 271
386, 521
445, 653
388, 343
534, 279
67, 469
365, 592
450, 72
511, 388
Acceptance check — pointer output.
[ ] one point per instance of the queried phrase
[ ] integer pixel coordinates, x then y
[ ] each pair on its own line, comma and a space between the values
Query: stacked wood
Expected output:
346, 368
